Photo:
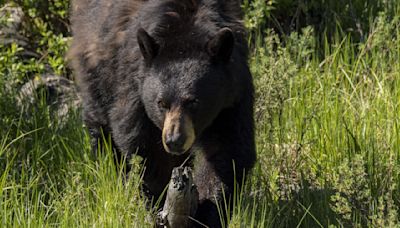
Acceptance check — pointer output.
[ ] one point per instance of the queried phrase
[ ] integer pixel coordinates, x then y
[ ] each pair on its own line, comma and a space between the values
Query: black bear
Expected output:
169, 81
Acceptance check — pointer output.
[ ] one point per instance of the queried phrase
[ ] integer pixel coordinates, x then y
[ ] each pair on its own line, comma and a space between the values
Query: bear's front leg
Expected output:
214, 177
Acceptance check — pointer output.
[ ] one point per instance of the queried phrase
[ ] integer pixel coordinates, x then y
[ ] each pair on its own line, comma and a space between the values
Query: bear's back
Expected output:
97, 25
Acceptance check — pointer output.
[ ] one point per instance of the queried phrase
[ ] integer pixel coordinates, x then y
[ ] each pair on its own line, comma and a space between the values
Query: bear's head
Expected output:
185, 87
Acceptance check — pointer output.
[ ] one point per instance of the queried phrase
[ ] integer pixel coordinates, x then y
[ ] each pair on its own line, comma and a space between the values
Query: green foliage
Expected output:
50, 15
13, 68
44, 29
327, 133
257, 13
326, 17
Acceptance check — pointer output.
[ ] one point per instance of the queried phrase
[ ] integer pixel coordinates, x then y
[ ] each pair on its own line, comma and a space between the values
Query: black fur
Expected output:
129, 55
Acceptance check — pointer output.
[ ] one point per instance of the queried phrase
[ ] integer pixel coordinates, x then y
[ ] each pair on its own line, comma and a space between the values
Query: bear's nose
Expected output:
175, 142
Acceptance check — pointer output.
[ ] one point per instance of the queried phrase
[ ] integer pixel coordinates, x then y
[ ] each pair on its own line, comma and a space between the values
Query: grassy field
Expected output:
328, 143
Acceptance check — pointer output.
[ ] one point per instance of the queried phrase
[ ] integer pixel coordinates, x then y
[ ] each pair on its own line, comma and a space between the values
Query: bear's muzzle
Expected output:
178, 133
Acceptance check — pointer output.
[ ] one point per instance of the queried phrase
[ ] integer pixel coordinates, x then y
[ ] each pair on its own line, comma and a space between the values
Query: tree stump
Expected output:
181, 201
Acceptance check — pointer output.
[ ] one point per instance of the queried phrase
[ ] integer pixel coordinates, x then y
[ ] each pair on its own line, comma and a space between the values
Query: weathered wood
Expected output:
181, 201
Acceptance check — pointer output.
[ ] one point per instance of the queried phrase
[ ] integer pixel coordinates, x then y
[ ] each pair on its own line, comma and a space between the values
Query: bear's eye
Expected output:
192, 103
162, 104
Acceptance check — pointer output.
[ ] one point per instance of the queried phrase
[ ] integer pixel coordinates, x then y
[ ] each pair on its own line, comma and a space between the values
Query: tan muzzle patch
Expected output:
178, 132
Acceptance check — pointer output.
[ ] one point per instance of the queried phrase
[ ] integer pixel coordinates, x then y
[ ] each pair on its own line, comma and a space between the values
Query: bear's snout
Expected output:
175, 141
178, 134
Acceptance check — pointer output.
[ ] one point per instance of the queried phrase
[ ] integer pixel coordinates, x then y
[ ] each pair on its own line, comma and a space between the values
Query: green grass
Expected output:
328, 143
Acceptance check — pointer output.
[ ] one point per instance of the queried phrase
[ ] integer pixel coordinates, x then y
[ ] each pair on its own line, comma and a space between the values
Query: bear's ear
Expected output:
148, 46
221, 45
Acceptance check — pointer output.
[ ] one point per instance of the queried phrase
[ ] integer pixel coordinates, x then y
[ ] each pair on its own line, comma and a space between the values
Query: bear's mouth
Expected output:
178, 133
